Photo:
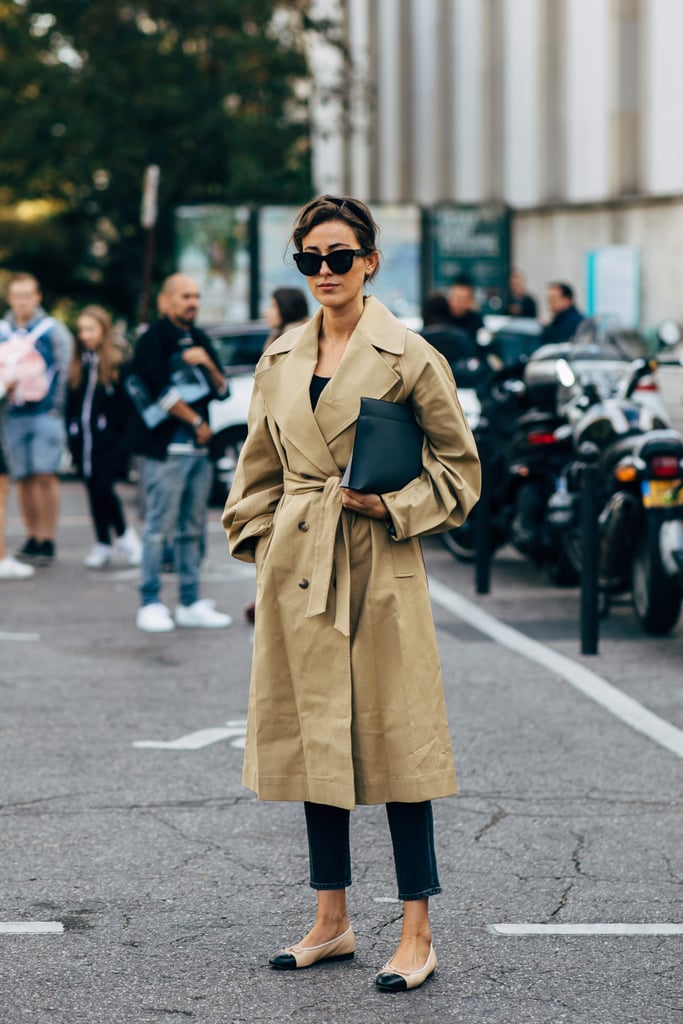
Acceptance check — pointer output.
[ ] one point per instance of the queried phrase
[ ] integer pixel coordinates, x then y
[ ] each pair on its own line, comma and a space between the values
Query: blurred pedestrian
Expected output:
518, 301
454, 343
97, 415
463, 306
287, 308
173, 358
565, 316
346, 704
41, 350
10, 568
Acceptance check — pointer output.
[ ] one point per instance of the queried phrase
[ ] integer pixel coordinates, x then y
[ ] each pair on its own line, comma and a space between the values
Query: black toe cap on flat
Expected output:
283, 962
391, 983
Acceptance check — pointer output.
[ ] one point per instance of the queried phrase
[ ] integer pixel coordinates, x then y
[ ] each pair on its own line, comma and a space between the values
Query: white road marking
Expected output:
591, 685
31, 928
21, 638
586, 929
203, 738
385, 899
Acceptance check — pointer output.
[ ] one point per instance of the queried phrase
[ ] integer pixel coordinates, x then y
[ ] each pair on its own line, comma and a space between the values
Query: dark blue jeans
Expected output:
412, 837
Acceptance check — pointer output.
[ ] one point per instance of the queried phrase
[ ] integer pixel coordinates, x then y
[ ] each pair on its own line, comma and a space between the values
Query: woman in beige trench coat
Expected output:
346, 701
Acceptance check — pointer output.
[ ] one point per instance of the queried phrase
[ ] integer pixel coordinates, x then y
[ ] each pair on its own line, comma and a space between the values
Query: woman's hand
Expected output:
370, 505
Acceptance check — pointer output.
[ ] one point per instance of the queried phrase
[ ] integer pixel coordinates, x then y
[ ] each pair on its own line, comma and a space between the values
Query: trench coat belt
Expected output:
324, 561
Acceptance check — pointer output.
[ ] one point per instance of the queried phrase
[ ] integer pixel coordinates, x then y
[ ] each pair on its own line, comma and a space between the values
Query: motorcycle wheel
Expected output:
656, 597
561, 570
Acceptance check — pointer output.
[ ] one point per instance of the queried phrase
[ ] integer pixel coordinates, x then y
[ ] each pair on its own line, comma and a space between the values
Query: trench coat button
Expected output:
303, 584
303, 526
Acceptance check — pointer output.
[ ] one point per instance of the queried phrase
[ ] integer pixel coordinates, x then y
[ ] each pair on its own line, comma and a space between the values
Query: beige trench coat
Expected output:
346, 701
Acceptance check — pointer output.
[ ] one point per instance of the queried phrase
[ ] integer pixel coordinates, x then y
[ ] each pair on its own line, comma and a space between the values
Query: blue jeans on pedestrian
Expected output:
412, 837
176, 500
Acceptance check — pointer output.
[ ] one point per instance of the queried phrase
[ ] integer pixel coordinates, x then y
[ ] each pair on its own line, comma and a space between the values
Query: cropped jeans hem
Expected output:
407, 897
329, 887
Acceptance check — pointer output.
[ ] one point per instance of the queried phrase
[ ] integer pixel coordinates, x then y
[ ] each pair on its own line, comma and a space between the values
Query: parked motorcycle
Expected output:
640, 495
526, 437
521, 455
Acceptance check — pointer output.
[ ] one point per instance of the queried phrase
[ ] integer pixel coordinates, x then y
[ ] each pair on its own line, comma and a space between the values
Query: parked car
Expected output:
238, 346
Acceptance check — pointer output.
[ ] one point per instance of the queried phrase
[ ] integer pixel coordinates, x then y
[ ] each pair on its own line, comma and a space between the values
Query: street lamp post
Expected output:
148, 219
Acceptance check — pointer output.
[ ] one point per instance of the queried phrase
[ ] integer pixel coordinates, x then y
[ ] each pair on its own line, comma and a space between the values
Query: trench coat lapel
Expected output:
362, 372
285, 387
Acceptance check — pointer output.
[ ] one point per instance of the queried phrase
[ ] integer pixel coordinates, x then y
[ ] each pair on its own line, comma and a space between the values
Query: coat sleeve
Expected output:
450, 482
62, 344
257, 487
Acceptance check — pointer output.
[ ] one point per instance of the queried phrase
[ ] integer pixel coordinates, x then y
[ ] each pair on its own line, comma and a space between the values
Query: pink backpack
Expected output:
22, 366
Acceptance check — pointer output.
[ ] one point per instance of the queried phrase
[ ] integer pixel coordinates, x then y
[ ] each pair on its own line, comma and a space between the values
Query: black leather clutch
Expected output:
387, 451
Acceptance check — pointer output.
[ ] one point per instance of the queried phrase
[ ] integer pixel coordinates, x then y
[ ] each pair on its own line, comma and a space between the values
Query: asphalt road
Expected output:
174, 885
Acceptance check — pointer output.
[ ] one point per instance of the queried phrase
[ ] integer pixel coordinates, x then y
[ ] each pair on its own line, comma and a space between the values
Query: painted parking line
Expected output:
588, 683
587, 929
31, 928
235, 731
20, 638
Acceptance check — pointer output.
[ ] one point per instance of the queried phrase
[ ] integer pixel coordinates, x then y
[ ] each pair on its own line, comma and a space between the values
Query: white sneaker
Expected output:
12, 569
201, 615
154, 618
130, 546
99, 556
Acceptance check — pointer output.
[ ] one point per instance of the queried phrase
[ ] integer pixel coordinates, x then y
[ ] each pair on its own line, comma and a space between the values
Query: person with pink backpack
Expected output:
35, 353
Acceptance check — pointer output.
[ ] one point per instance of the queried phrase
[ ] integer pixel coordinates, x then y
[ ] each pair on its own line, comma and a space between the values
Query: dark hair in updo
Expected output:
351, 211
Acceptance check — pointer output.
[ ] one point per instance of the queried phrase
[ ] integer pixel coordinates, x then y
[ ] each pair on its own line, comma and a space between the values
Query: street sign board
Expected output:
471, 240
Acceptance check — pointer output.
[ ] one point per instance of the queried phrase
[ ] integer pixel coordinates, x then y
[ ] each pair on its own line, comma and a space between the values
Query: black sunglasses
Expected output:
340, 261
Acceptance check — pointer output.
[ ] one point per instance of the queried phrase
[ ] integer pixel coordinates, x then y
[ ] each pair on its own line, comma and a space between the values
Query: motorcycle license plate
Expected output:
662, 493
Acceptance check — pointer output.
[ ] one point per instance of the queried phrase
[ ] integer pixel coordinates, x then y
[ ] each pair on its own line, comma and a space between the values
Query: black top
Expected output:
316, 388
521, 305
152, 361
470, 321
563, 326
98, 424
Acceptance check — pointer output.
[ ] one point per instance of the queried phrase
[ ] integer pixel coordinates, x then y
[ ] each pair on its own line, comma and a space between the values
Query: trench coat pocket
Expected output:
261, 550
403, 557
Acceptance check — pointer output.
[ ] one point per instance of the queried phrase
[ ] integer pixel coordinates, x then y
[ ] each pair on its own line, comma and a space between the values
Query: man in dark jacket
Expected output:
518, 302
565, 316
177, 368
463, 307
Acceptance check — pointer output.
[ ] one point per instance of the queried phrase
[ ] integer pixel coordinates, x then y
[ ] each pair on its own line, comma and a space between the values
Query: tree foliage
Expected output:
213, 91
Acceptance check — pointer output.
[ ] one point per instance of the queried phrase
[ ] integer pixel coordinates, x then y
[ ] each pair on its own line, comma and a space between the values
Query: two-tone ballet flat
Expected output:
294, 957
390, 979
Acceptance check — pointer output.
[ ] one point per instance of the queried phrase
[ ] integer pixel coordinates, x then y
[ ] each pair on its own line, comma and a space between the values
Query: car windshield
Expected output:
239, 346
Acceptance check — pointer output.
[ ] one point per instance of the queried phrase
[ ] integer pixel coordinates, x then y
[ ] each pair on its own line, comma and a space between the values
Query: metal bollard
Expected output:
482, 522
590, 549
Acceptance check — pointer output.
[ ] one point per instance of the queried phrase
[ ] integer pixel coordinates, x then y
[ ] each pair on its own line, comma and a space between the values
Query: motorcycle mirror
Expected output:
669, 333
640, 368
564, 373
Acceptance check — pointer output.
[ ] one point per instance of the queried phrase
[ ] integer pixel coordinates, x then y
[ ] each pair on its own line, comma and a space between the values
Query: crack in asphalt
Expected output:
576, 853
563, 900
28, 807
496, 818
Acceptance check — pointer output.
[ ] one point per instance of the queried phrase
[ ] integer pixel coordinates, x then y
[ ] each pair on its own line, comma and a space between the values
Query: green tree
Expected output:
213, 91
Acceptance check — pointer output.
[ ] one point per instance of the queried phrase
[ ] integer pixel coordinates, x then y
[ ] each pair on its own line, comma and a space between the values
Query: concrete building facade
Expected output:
569, 111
